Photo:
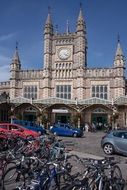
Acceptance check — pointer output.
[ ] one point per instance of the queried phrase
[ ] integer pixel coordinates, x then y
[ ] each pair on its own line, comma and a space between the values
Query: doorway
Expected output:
99, 120
62, 118
30, 117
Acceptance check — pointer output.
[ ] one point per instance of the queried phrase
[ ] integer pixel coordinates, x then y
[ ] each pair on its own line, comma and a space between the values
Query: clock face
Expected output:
64, 53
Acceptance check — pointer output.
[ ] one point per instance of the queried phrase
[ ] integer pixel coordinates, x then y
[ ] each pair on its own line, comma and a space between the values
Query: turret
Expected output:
80, 26
81, 40
48, 34
48, 24
119, 72
15, 65
15, 68
119, 60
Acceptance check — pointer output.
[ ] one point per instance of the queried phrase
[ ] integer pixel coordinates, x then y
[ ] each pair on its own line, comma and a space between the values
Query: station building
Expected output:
65, 89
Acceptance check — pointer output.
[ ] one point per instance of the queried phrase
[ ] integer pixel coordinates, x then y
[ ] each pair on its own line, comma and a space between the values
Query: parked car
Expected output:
17, 130
115, 141
63, 129
3, 131
30, 125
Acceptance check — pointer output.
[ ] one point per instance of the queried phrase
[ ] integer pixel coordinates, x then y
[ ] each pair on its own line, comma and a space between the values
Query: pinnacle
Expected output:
49, 20
16, 54
80, 17
119, 49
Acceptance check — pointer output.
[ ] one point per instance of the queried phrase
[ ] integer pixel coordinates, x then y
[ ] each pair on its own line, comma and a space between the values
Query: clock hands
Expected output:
64, 53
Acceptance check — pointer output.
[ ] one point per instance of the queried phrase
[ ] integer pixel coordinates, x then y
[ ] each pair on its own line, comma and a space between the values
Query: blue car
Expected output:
30, 125
62, 129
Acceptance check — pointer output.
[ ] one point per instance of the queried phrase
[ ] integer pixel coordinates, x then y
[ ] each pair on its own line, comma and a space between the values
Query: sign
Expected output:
59, 111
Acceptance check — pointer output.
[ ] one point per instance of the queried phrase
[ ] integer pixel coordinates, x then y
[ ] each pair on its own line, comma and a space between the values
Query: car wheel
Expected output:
75, 135
108, 148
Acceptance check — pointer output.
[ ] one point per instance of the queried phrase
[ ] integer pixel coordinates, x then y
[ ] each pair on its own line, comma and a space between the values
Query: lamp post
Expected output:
79, 119
79, 114
8, 103
11, 108
115, 115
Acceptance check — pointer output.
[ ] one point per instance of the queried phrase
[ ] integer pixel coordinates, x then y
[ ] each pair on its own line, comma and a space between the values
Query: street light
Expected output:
8, 106
11, 108
115, 115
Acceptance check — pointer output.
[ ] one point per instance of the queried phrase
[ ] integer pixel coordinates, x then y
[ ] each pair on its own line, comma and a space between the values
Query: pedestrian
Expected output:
93, 127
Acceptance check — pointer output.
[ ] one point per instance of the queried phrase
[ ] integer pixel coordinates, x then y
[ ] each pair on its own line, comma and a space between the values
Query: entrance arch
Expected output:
60, 113
99, 117
98, 114
26, 111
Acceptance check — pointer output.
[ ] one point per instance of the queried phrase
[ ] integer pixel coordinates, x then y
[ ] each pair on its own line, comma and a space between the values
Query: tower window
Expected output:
63, 91
30, 92
100, 91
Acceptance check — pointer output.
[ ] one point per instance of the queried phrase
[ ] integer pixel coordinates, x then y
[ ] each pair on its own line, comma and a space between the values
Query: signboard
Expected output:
59, 111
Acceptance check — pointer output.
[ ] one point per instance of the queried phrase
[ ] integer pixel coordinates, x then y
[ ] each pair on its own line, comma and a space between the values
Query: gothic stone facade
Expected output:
65, 73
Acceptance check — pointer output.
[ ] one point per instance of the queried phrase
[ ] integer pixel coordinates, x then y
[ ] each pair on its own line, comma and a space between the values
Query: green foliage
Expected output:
44, 118
74, 119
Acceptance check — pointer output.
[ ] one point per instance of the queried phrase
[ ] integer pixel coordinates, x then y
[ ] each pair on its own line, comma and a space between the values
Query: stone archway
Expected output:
60, 112
98, 113
26, 111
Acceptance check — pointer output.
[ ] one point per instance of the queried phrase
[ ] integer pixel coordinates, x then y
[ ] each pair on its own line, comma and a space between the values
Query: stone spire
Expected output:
80, 17
49, 20
119, 49
119, 56
48, 23
80, 26
16, 54
15, 65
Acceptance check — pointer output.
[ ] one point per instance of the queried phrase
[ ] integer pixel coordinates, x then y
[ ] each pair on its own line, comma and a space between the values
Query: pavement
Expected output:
86, 155
89, 146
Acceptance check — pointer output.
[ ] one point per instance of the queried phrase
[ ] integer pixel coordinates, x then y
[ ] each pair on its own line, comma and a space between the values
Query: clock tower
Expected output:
68, 47
64, 56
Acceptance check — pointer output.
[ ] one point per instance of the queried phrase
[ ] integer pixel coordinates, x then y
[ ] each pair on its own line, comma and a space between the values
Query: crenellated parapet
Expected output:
63, 35
5, 84
31, 74
99, 72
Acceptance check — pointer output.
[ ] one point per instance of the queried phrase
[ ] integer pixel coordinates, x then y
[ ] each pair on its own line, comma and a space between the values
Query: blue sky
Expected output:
23, 21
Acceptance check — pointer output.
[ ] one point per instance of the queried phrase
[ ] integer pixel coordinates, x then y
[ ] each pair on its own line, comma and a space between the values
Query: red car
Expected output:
17, 130
2, 130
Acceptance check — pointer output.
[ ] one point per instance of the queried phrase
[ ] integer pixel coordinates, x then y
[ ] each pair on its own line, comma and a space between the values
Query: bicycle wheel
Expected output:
4, 167
106, 186
116, 172
118, 184
112, 186
73, 187
67, 187
76, 163
12, 178
8, 165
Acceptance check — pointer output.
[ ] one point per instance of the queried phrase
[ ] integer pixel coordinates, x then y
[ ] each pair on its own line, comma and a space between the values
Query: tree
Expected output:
44, 119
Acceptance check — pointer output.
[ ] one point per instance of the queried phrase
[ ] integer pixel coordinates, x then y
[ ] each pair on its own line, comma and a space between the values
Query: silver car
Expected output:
115, 141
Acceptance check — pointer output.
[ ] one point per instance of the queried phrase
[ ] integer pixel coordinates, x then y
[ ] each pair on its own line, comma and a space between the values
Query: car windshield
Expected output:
3, 126
67, 126
71, 126
21, 127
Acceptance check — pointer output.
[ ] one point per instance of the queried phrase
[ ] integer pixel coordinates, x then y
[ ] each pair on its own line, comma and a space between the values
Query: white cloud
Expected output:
4, 73
4, 60
4, 68
7, 36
